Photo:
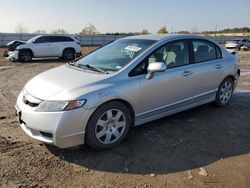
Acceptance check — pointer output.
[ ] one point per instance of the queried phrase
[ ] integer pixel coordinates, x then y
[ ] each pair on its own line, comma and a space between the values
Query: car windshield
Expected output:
115, 55
32, 39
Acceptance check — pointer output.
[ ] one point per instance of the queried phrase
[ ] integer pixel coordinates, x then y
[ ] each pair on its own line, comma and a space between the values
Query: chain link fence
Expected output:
86, 40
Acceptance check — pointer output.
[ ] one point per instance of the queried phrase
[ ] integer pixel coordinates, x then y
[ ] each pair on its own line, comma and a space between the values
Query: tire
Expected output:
68, 54
225, 92
25, 56
108, 126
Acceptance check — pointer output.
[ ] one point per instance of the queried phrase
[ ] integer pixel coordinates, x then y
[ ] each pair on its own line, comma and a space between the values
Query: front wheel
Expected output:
25, 56
108, 126
225, 92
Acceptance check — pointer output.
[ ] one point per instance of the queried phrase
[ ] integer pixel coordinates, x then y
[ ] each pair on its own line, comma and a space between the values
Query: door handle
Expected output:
218, 66
187, 73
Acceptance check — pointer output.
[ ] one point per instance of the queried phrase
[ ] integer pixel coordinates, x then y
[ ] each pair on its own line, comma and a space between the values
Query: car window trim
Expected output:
130, 74
217, 47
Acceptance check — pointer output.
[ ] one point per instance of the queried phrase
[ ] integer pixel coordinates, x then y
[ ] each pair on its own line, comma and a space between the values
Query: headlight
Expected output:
56, 106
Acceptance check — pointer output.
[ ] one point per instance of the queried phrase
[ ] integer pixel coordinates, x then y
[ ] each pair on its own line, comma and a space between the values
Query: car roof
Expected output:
57, 35
160, 37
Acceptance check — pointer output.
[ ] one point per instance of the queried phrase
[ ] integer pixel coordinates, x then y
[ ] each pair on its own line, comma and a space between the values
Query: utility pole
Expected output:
215, 30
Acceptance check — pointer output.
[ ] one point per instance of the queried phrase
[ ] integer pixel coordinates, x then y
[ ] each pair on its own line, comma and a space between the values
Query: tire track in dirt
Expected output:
9, 145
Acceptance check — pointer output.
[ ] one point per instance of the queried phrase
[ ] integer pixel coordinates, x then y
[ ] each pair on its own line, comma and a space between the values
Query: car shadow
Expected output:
180, 142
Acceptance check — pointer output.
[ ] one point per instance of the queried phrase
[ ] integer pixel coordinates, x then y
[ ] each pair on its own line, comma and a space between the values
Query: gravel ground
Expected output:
204, 146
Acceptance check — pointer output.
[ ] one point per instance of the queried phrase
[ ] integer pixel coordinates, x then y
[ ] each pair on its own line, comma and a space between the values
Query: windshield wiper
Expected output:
92, 68
73, 63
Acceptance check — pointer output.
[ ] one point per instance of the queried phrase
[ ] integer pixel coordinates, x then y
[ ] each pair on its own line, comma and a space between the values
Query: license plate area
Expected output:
19, 115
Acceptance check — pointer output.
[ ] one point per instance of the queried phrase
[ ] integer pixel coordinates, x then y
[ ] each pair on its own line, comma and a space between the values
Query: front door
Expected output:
171, 89
43, 47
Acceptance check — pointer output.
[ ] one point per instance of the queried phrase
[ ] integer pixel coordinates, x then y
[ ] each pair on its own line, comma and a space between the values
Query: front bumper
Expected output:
62, 129
13, 55
237, 78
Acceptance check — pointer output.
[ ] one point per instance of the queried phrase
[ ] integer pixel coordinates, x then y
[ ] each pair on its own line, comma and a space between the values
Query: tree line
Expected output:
92, 30
231, 30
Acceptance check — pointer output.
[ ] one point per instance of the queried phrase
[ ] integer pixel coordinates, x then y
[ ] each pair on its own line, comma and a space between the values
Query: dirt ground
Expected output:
204, 146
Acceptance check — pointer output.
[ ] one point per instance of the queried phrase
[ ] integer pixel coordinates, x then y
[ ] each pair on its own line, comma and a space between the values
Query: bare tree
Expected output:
59, 31
40, 32
89, 30
20, 28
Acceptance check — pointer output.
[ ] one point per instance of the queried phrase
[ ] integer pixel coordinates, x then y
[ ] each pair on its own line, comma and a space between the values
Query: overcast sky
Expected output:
123, 15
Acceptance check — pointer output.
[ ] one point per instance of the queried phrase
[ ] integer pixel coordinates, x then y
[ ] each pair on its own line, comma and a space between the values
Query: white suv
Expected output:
66, 47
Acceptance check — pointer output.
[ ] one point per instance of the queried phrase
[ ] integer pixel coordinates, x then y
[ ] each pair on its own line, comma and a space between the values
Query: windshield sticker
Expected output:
133, 48
118, 67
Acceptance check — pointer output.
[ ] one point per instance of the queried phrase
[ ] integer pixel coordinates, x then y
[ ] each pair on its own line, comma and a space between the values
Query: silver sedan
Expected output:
134, 80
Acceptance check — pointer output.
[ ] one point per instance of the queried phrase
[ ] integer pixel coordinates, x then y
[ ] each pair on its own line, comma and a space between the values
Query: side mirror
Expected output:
155, 67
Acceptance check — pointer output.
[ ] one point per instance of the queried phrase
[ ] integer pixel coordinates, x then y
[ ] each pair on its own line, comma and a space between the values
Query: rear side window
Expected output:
53, 39
67, 39
60, 39
205, 51
218, 53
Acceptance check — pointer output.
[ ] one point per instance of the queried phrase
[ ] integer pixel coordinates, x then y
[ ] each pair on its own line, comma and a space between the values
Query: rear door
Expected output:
56, 43
208, 68
60, 43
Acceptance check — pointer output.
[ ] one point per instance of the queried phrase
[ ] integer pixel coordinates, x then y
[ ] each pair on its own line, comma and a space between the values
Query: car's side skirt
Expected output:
175, 107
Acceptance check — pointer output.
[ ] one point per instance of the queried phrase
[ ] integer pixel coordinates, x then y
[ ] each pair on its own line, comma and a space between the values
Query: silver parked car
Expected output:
129, 82
237, 44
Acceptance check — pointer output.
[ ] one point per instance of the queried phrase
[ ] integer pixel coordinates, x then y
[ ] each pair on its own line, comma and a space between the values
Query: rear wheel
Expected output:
225, 92
108, 126
69, 54
25, 56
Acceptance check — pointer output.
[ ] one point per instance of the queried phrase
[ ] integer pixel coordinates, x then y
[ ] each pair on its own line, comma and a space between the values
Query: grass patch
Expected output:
1, 52
244, 57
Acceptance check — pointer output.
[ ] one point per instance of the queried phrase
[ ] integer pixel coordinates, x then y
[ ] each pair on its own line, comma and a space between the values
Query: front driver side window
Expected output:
174, 54
42, 40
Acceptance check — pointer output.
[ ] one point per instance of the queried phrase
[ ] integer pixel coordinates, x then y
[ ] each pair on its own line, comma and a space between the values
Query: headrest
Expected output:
176, 49
202, 49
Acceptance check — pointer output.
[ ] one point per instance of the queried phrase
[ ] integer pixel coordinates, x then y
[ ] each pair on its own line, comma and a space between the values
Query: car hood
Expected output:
64, 83
16, 42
